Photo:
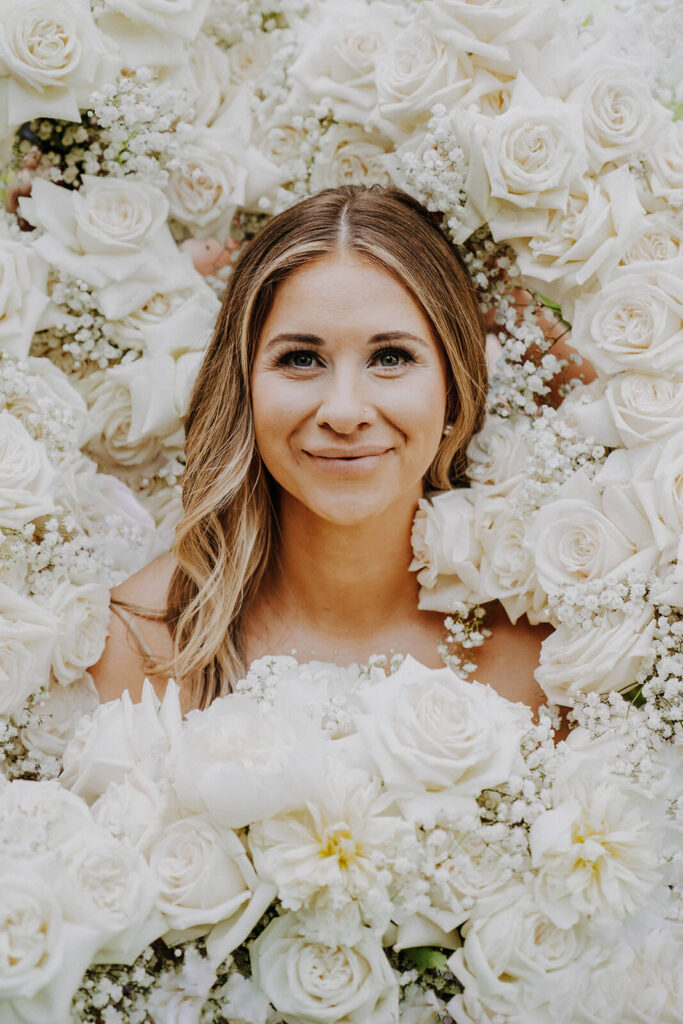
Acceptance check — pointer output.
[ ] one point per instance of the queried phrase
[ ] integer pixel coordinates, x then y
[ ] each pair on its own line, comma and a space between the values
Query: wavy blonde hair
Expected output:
228, 536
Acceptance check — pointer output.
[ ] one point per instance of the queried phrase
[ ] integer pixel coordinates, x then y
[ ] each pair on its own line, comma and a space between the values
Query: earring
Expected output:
447, 429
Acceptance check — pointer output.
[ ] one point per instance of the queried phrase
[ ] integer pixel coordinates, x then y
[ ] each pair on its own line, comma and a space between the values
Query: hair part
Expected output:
228, 536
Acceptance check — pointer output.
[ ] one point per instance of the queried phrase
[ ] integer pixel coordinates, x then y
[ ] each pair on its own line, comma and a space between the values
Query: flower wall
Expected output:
141, 142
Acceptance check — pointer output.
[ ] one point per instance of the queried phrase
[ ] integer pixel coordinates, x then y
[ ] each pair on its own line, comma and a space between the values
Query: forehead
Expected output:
345, 291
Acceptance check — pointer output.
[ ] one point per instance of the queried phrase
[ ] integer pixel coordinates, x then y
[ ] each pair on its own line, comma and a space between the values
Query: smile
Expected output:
362, 460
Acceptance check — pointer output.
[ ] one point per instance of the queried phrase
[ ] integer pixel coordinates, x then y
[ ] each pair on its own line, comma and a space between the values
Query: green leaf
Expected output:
677, 110
427, 959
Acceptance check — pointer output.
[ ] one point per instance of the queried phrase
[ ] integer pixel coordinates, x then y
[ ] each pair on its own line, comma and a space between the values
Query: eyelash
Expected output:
285, 358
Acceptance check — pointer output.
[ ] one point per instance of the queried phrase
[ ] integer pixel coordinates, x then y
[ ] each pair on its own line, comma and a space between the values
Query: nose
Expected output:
343, 407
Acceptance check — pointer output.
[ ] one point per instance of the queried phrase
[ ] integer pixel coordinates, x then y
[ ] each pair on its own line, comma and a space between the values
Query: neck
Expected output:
347, 581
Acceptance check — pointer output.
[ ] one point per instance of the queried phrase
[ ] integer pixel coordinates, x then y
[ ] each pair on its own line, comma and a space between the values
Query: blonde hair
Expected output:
228, 536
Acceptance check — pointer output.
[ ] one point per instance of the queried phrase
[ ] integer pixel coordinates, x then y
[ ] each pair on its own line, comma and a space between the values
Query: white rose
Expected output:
118, 737
508, 567
602, 657
171, 322
28, 634
205, 878
106, 885
575, 538
664, 165
37, 818
26, 475
620, 116
633, 322
445, 540
44, 956
652, 475
242, 761
533, 151
54, 717
431, 732
109, 514
496, 21
339, 53
516, 963
83, 614
348, 155
498, 453
416, 70
206, 184
50, 60
644, 408
658, 236
112, 234
135, 808
594, 852
334, 844
132, 425
209, 69
23, 296
311, 980
49, 388
152, 32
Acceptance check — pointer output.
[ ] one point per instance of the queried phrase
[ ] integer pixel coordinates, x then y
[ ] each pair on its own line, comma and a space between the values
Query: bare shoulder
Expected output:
122, 664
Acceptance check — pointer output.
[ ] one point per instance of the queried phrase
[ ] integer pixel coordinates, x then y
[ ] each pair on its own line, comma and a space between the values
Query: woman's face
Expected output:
348, 390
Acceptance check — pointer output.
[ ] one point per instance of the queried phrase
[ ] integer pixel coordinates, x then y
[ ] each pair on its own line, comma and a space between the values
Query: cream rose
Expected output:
644, 408
498, 453
417, 70
604, 656
206, 184
339, 54
107, 886
50, 60
431, 732
112, 234
26, 475
83, 614
205, 877
23, 296
496, 21
349, 155
515, 962
664, 165
28, 634
658, 237
43, 956
152, 32
634, 322
507, 568
311, 980
445, 540
620, 115
136, 808
534, 151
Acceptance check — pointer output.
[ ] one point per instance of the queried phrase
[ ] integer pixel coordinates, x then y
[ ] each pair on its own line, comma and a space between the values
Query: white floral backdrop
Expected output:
142, 141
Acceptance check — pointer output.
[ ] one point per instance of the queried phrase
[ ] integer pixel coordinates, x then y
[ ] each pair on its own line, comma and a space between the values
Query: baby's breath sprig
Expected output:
465, 631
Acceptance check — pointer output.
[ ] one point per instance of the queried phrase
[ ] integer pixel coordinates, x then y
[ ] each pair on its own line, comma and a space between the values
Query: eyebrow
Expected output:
377, 339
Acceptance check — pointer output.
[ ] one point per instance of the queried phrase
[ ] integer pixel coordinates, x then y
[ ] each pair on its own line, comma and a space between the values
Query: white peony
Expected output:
28, 634
83, 614
26, 475
37, 818
242, 761
620, 116
136, 808
23, 296
334, 844
593, 852
634, 323
515, 964
50, 60
311, 980
431, 732
416, 70
605, 655
120, 736
205, 878
112, 234
151, 32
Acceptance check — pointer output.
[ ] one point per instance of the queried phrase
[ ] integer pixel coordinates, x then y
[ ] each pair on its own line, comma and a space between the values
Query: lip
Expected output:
348, 462
348, 453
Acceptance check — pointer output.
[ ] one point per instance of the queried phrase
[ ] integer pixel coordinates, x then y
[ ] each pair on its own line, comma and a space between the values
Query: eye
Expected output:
393, 358
299, 359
